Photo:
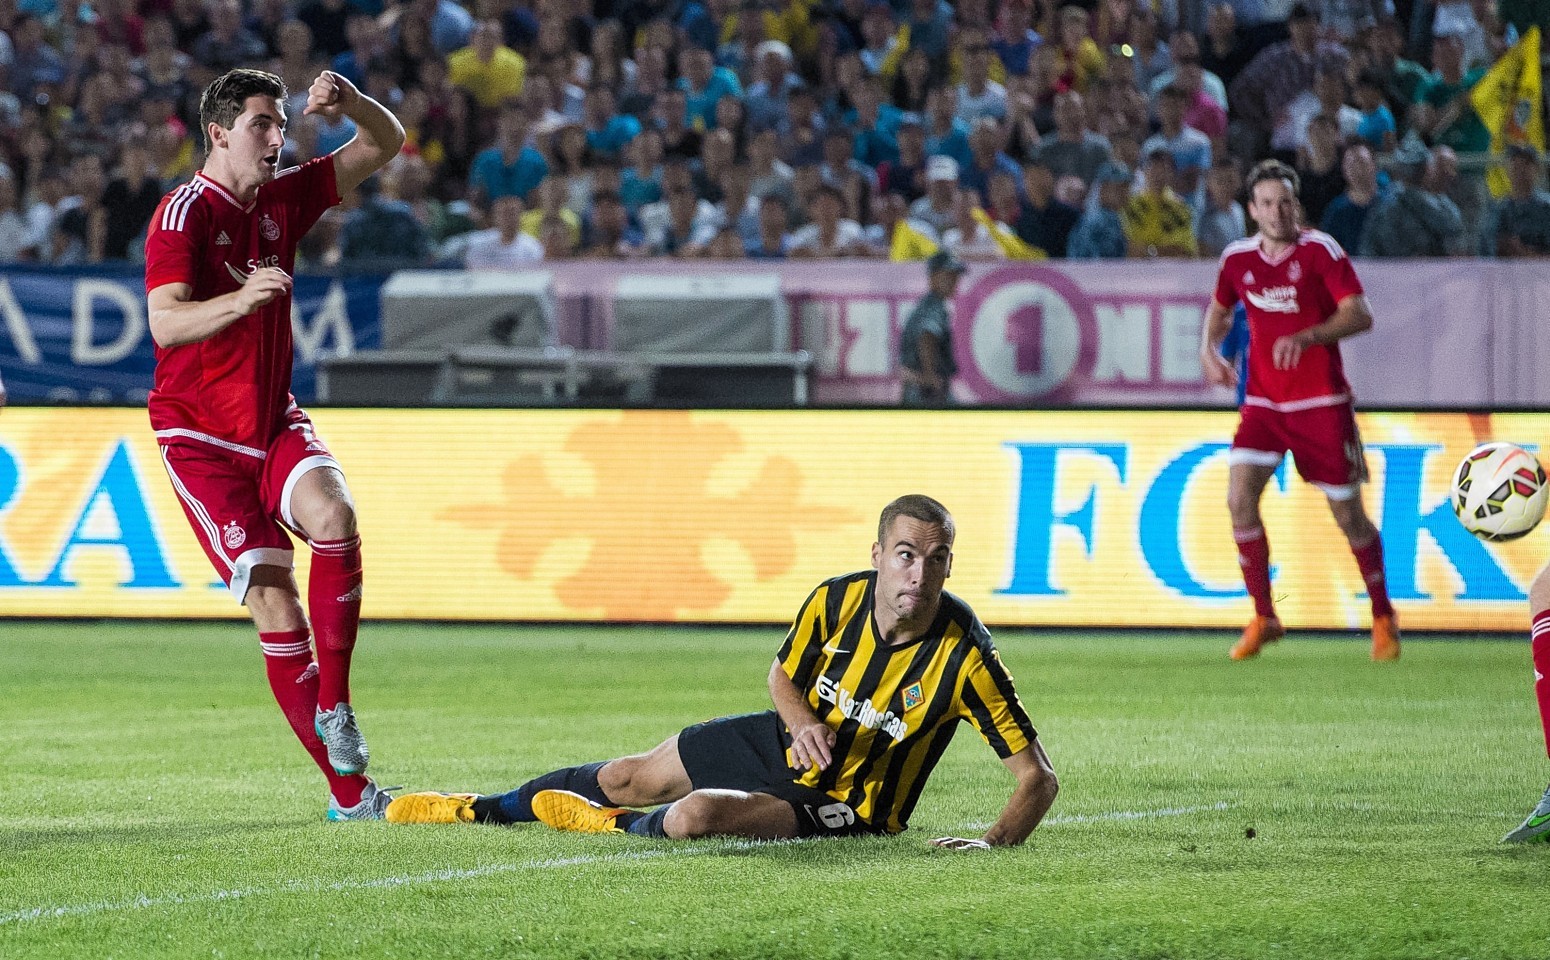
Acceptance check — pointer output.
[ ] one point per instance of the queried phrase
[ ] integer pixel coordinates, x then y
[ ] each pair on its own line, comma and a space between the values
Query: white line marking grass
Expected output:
147, 902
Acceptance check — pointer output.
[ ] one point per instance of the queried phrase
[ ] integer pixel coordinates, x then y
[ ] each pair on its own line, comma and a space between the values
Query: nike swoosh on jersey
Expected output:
832, 649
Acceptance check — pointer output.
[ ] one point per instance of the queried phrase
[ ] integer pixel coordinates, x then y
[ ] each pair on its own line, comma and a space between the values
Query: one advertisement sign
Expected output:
1108, 519
81, 335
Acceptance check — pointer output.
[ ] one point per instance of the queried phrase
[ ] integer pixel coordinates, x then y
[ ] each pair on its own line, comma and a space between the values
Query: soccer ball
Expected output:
1499, 491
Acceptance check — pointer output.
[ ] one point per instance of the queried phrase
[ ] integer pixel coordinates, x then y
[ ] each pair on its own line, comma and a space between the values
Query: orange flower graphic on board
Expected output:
634, 504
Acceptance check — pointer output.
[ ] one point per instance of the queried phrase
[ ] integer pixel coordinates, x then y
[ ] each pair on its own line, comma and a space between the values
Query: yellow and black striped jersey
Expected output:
894, 709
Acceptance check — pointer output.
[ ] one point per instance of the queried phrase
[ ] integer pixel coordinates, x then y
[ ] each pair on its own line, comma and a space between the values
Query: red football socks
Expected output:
334, 604
1254, 558
1369, 559
1541, 652
288, 661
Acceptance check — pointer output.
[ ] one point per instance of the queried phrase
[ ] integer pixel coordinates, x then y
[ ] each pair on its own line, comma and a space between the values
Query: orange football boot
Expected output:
1385, 638
1260, 631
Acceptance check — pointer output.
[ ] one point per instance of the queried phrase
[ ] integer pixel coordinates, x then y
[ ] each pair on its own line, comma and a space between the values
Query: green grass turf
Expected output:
153, 804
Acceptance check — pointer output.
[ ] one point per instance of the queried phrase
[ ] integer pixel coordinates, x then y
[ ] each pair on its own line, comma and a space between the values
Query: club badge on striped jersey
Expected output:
913, 696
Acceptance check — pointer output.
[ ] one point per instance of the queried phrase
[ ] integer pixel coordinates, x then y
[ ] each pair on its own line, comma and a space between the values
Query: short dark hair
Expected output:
226, 97
916, 506
1267, 170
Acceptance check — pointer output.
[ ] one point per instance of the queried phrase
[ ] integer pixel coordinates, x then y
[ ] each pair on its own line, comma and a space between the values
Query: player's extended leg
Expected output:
1536, 827
275, 606
702, 813
1245, 485
321, 508
1345, 503
642, 780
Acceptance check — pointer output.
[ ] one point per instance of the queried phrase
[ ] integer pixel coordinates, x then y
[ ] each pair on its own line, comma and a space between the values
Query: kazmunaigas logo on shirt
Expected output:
913, 697
1275, 299
861, 711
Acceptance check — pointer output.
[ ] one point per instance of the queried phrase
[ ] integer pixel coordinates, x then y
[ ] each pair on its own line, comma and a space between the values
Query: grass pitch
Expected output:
1310, 804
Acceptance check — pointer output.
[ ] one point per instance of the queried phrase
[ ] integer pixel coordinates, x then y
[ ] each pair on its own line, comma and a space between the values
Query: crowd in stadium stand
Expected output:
544, 130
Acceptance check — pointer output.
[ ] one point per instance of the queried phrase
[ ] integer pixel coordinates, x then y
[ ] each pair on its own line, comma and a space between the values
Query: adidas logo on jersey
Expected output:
223, 240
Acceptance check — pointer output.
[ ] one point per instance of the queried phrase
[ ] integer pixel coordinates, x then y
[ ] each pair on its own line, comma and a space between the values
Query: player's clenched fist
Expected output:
1218, 372
810, 747
330, 95
264, 285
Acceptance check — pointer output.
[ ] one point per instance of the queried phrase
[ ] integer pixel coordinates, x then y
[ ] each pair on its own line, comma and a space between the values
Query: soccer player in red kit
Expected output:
241, 454
1302, 298
1536, 826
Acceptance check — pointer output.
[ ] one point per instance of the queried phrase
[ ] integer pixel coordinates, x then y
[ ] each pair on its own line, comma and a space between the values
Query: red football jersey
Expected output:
1299, 289
232, 389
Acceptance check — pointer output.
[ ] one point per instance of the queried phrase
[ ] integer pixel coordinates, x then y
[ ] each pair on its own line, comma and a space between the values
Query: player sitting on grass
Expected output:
1537, 826
875, 674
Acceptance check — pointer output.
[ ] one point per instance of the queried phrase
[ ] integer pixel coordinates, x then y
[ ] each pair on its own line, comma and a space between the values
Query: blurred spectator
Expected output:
770, 175
1190, 148
979, 97
1157, 222
737, 208
1468, 193
1188, 74
1046, 222
557, 238
829, 234
1376, 126
1225, 51
326, 19
930, 27
985, 158
504, 246
1318, 166
368, 50
1077, 61
639, 95
609, 232
681, 225
451, 24
382, 228
1327, 98
740, 52
17, 240
770, 91
80, 230
1150, 56
936, 208
1412, 221
228, 44
732, 117
1345, 20
704, 83
553, 196
1402, 79
906, 172
1221, 219
968, 238
725, 245
839, 160
1074, 149
1519, 225
1261, 95
1443, 112
671, 116
608, 130
772, 242
716, 158
408, 178
877, 125
511, 167
1016, 40
946, 135
34, 62
913, 82
1346, 216
132, 196
880, 37
294, 61
487, 69
926, 361
641, 182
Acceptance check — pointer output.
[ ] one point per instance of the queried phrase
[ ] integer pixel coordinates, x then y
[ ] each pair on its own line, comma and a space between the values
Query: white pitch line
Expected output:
144, 902
1120, 815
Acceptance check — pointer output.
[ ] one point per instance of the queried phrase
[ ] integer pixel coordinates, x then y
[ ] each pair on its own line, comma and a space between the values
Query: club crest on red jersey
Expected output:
1294, 271
233, 536
267, 227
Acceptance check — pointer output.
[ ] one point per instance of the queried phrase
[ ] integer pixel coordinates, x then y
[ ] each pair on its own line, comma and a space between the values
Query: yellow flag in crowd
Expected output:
1507, 100
1010, 243
909, 243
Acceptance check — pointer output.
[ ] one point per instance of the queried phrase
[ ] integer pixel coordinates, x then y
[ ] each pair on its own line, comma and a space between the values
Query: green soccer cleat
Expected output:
564, 810
1535, 829
432, 808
